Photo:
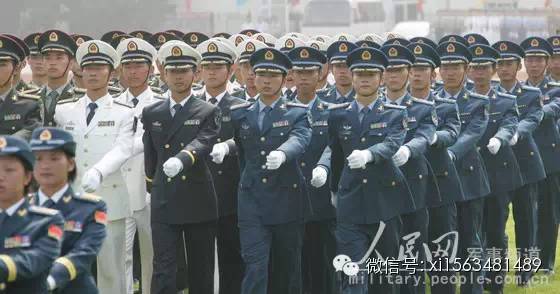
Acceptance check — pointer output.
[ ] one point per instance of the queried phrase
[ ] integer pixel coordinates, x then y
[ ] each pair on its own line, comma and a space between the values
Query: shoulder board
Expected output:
197, 86
445, 100
242, 105
529, 88
554, 84
79, 91
505, 95
33, 90
74, 99
159, 97
123, 104
322, 91
156, 90
28, 96
393, 106
87, 197
475, 95
423, 101
42, 210
114, 89
333, 106
293, 104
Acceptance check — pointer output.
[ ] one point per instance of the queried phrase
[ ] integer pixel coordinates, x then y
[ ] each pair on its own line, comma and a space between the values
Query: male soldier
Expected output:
216, 67
19, 84
473, 112
342, 90
372, 192
85, 214
500, 161
179, 134
31, 235
319, 244
136, 57
422, 120
547, 137
157, 40
271, 135
285, 44
103, 130
35, 60
58, 51
323, 75
443, 215
245, 49
19, 113
524, 199
77, 78
554, 64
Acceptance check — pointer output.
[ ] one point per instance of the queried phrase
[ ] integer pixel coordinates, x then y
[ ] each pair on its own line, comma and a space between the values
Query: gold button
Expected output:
532, 153
420, 177
553, 145
345, 138
363, 139
294, 185
166, 146
445, 173
393, 183
183, 178
263, 166
219, 140
281, 134
220, 172
493, 120
505, 163
364, 181
168, 180
263, 152
303, 164
471, 168
262, 139
321, 132
13, 128
182, 144
264, 180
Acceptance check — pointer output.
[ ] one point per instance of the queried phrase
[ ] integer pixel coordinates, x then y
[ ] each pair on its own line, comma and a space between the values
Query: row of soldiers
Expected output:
285, 171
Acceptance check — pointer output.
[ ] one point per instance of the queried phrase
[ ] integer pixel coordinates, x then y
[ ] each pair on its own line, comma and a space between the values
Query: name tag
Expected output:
546, 98
378, 125
73, 226
13, 116
411, 119
245, 126
156, 124
320, 123
226, 118
17, 242
192, 122
106, 123
282, 123
69, 128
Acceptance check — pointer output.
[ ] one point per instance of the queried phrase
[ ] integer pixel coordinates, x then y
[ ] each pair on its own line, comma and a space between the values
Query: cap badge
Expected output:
194, 38
304, 54
366, 55
418, 50
289, 43
53, 37
478, 51
93, 48
471, 39
45, 135
503, 47
212, 48
250, 47
132, 46
3, 142
450, 48
534, 43
269, 55
343, 48
393, 52
176, 51
161, 39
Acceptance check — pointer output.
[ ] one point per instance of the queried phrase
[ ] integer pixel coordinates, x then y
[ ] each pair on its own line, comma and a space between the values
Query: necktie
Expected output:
92, 107
251, 100
266, 119
177, 108
213, 101
135, 101
48, 204
364, 113
51, 98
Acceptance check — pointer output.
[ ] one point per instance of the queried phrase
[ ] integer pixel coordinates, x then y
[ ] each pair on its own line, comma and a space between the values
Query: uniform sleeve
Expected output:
232, 146
31, 261
508, 126
468, 138
298, 139
531, 120
423, 135
552, 109
201, 146
448, 132
325, 159
337, 154
32, 121
122, 149
150, 154
79, 259
393, 140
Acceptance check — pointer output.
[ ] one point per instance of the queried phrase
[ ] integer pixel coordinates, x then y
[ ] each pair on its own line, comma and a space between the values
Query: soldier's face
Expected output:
6, 71
215, 75
269, 83
453, 74
57, 63
247, 74
52, 168
507, 69
306, 80
535, 65
420, 77
366, 83
290, 82
395, 78
554, 65
482, 74
136, 74
13, 179
179, 79
342, 74
96, 76
37, 65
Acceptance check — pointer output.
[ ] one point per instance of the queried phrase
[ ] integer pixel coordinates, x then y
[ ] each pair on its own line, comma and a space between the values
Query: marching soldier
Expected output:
366, 133
85, 214
501, 164
20, 113
271, 134
554, 63
529, 103
324, 74
31, 235
178, 135
245, 49
285, 44
136, 57
58, 50
547, 137
157, 40
103, 130
19, 84
36, 62
216, 67
342, 91
473, 112
77, 75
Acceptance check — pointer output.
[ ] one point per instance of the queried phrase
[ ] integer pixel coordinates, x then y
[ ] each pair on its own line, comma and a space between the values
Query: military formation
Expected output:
155, 163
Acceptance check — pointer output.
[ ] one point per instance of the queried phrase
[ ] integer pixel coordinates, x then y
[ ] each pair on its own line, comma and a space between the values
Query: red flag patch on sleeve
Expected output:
55, 232
101, 217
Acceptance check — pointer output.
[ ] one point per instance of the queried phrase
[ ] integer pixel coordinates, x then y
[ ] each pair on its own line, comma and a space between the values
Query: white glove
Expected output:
318, 177
172, 167
51, 283
402, 156
434, 139
275, 159
494, 145
219, 151
451, 155
148, 198
359, 158
514, 139
91, 180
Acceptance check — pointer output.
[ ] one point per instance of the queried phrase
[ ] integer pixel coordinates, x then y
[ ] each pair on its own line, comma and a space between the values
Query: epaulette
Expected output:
393, 106
475, 95
338, 106
79, 90
157, 90
322, 91
87, 197
69, 100
529, 88
294, 104
28, 96
445, 100
122, 104
42, 210
34, 90
197, 86
239, 106
554, 84
423, 101
505, 95
159, 97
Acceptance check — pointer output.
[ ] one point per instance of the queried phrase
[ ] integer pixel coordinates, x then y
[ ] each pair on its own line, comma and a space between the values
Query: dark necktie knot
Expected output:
267, 109
92, 106
48, 204
213, 101
177, 108
135, 101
